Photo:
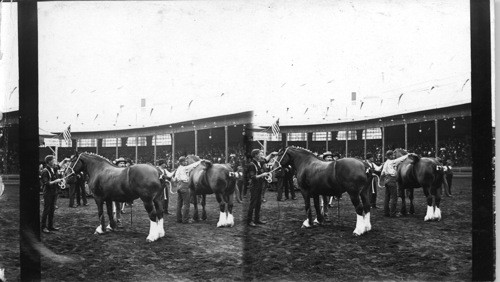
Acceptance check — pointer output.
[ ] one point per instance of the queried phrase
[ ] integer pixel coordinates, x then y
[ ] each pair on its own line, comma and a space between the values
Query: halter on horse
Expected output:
415, 172
218, 179
124, 184
316, 177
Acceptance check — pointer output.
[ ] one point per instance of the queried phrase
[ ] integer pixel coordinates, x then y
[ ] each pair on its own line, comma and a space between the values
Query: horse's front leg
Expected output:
320, 219
100, 213
308, 223
109, 208
153, 224
437, 201
360, 221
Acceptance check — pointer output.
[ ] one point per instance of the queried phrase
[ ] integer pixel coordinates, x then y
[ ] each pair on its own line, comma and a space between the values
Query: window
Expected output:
373, 133
141, 141
320, 136
266, 136
341, 135
111, 142
294, 136
86, 143
163, 139
63, 143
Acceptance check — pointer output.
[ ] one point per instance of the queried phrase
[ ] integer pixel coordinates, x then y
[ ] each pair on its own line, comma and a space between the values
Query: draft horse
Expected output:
218, 179
109, 183
416, 172
316, 177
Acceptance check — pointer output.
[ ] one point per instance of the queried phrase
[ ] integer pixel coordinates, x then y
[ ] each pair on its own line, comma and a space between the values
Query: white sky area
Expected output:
294, 60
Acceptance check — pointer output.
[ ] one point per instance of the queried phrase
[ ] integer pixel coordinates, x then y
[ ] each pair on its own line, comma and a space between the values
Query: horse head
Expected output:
76, 165
284, 158
399, 152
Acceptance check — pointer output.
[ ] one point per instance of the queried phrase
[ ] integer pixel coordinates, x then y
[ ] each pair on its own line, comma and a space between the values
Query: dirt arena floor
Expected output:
405, 248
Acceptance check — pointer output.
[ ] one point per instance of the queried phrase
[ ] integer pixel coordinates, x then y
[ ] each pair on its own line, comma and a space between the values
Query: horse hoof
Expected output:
356, 234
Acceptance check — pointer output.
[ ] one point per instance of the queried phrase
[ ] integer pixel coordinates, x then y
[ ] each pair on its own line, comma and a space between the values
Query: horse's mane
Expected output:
303, 149
99, 156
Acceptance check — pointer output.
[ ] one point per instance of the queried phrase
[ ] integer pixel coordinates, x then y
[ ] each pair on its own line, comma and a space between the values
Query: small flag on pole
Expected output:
275, 127
67, 134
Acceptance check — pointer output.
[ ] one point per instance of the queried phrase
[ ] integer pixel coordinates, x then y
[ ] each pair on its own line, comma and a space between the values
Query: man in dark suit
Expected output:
50, 182
256, 175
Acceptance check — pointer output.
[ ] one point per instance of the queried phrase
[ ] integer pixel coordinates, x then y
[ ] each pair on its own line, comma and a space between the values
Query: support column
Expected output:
436, 150
173, 150
308, 139
326, 147
136, 141
226, 149
116, 151
406, 136
284, 141
365, 143
346, 143
383, 144
196, 142
97, 145
153, 140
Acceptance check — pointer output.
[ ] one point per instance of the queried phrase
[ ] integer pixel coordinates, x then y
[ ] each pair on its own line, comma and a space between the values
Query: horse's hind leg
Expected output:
229, 202
360, 221
158, 202
195, 206
203, 209
430, 209
222, 206
112, 224
401, 193
410, 196
365, 200
100, 212
153, 224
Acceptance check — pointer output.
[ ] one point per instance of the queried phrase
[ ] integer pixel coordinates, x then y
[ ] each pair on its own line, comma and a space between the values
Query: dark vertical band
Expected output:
482, 185
28, 139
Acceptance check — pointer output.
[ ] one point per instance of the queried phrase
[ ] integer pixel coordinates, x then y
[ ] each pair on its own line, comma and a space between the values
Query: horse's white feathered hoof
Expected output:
230, 220
316, 222
430, 214
368, 225
437, 214
109, 228
360, 225
98, 230
306, 224
152, 238
161, 231
222, 220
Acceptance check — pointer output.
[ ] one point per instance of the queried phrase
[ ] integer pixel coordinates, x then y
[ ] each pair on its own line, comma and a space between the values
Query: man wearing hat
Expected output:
448, 171
391, 187
256, 175
328, 156
121, 162
183, 193
165, 175
373, 185
50, 183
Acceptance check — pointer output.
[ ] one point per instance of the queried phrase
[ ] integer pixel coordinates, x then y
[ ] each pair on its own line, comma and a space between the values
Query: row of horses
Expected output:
315, 178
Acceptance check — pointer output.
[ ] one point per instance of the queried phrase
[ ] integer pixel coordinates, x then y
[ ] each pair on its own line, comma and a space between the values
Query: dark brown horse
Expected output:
218, 179
316, 177
109, 183
416, 172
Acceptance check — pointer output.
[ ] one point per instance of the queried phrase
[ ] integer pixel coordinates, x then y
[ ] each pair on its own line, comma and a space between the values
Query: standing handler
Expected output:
256, 176
50, 182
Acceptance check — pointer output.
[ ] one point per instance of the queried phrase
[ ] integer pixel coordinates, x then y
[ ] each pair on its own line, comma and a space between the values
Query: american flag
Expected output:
67, 134
275, 127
